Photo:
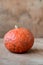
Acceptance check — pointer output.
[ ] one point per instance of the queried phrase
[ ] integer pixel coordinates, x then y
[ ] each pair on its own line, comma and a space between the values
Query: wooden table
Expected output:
33, 57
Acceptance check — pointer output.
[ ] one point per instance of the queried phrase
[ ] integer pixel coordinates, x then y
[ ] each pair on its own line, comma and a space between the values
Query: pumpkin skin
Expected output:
19, 40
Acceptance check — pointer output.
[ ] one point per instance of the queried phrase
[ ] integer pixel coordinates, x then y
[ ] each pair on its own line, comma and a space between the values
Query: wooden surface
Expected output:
33, 57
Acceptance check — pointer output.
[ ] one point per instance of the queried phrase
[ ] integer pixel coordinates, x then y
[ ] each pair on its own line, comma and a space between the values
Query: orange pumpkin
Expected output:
19, 40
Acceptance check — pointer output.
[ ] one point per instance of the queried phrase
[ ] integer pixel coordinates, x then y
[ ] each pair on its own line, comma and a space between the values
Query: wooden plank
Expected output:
32, 57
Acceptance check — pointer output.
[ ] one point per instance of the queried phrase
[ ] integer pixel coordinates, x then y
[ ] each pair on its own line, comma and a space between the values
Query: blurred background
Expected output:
24, 13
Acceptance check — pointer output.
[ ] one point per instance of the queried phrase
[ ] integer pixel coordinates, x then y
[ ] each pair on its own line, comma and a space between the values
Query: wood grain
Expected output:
32, 57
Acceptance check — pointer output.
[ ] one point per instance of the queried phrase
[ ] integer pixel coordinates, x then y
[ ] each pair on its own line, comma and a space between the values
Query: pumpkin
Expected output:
18, 40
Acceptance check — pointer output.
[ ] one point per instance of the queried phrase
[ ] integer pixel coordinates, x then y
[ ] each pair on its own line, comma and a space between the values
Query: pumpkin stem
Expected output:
16, 26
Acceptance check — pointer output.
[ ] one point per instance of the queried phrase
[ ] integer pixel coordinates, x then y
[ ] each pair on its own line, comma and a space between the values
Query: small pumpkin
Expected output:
19, 40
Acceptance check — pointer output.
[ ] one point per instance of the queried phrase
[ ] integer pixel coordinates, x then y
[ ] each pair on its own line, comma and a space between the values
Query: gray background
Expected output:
24, 13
